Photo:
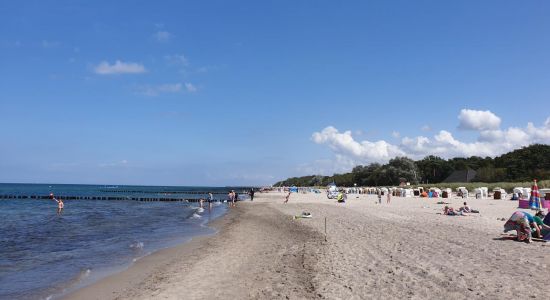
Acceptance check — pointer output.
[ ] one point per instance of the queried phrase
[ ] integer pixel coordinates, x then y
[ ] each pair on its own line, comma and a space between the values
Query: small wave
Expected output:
196, 216
200, 209
137, 245
73, 282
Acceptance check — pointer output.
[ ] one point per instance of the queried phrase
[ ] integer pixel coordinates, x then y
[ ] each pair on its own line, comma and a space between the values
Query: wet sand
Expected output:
400, 250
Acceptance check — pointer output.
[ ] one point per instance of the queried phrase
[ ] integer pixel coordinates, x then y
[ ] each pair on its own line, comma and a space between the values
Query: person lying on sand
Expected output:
449, 211
467, 209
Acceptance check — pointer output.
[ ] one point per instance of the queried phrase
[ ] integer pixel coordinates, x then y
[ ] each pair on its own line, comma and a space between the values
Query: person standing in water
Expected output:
230, 198
60, 204
210, 200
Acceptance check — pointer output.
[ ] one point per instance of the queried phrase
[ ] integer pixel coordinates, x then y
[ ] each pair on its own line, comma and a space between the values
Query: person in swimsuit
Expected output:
60, 204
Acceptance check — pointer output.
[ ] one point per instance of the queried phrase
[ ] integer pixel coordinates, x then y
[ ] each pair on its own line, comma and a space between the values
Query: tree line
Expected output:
525, 164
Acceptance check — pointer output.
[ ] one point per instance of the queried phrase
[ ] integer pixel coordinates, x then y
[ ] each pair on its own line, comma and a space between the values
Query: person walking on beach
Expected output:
379, 196
388, 199
235, 198
287, 196
251, 193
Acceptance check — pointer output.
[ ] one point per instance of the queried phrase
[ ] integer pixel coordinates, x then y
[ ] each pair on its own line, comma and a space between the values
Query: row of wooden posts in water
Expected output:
147, 199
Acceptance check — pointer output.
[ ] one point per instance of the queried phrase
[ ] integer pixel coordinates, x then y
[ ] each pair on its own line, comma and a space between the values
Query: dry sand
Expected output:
400, 250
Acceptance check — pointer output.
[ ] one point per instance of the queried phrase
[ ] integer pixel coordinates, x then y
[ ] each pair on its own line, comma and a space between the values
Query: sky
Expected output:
216, 93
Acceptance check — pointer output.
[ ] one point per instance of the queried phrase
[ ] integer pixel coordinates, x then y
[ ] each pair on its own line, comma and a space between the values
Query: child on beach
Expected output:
388, 199
379, 197
287, 196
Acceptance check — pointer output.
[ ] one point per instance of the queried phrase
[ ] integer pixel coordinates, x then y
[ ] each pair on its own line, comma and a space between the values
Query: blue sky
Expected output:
251, 92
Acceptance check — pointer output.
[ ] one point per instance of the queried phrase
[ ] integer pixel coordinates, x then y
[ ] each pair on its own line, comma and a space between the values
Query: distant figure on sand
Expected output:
388, 198
236, 198
60, 204
287, 196
251, 193
379, 197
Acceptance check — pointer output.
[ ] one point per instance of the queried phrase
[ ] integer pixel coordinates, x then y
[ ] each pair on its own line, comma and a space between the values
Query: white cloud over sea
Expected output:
492, 140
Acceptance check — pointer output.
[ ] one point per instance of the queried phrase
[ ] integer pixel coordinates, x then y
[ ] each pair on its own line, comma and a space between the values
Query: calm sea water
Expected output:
44, 255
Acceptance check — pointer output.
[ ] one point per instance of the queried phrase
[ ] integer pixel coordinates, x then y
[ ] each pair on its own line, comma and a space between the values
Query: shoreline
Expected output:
402, 249
113, 285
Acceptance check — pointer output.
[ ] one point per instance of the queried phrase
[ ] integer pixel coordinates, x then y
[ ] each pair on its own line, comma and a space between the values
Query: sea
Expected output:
45, 255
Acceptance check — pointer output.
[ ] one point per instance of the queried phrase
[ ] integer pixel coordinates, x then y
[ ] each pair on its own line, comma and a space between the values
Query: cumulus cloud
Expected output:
119, 67
344, 144
491, 141
470, 119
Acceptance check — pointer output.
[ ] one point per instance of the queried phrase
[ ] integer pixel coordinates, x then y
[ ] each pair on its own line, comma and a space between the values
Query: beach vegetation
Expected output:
515, 168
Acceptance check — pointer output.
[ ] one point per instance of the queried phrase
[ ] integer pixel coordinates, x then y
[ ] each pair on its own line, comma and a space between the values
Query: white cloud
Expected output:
396, 134
344, 144
190, 87
478, 120
163, 36
119, 67
426, 128
491, 141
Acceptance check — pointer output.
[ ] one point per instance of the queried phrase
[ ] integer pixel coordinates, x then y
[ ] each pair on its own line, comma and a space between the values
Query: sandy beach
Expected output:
405, 249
